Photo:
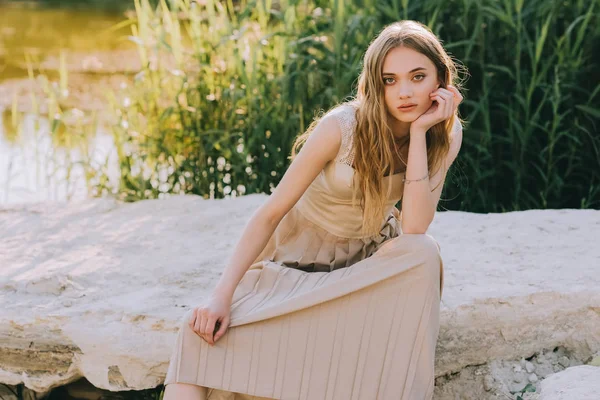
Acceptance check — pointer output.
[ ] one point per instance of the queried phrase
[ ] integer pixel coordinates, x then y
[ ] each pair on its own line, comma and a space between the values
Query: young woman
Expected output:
332, 292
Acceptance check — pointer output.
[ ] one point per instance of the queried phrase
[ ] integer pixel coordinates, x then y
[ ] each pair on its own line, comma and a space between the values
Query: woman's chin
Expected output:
406, 116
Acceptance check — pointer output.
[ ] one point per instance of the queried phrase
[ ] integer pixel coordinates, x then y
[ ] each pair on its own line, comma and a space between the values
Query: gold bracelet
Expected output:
414, 180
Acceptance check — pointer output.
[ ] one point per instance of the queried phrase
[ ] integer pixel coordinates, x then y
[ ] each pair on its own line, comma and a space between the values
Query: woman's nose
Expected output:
404, 91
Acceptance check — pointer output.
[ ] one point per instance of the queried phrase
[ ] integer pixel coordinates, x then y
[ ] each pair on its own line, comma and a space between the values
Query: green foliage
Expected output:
532, 140
216, 115
226, 87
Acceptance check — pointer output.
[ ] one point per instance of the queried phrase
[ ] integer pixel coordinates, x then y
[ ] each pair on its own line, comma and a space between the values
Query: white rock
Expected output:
97, 288
581, 383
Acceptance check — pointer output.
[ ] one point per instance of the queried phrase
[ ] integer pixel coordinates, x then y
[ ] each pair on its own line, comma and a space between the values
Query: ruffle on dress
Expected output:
302, 244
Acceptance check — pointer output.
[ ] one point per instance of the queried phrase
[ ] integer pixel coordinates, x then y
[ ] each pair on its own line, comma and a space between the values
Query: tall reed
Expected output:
226, 86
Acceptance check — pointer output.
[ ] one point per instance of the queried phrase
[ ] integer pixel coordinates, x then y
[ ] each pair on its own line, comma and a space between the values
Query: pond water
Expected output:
34, 168
34, 165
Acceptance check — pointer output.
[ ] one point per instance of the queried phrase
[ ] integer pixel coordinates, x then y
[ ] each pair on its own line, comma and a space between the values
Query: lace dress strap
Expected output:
347, 119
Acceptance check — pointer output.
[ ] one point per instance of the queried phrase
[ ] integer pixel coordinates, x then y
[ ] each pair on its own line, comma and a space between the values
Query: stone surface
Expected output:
575, 383
96, 290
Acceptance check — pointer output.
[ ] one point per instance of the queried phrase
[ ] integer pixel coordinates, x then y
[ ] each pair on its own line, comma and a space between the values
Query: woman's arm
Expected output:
419, 203
321, 147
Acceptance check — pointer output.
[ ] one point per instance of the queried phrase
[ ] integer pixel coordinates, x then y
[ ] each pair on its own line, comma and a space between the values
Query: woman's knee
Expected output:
410, 242
424, 250
429, 249
423, 242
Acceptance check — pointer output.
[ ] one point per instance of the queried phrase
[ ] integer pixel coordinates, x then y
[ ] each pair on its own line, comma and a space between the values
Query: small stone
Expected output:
529, 367
556, 368
532, 378
488, 383
517, 368
564, 361
541, 358
522, 362
595, 361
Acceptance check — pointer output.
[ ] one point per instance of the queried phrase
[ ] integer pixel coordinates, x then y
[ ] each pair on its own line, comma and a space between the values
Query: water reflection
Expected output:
41, 32
37, 166
39, 161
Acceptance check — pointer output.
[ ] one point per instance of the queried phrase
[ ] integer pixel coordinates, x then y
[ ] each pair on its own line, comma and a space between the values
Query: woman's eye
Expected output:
389, 80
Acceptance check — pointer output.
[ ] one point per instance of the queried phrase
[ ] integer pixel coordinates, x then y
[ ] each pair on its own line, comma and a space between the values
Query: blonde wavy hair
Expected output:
374, 144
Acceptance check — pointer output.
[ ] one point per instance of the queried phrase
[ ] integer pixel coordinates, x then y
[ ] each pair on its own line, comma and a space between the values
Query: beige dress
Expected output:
325, 313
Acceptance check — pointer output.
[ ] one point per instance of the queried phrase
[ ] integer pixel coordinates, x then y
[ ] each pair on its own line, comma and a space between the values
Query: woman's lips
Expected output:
408, 108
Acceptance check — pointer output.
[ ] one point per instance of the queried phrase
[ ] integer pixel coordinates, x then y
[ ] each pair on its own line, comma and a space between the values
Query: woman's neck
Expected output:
400, 129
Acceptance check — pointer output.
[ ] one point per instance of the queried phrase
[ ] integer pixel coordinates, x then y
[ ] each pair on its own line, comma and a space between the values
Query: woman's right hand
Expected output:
213, 314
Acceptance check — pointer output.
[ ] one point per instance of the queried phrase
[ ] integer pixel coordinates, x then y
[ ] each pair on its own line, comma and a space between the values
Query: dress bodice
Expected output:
327, 202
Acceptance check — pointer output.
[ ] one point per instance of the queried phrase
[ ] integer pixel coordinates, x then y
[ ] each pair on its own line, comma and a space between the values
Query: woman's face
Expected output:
408, 77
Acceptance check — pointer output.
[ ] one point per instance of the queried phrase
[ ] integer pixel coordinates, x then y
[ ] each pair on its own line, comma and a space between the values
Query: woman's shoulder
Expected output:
345, 114
345, 110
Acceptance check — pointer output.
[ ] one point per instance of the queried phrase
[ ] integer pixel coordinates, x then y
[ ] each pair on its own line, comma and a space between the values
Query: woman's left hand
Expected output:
445, 103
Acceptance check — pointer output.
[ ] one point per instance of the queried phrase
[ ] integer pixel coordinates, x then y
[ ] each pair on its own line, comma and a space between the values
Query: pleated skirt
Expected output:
322, 317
